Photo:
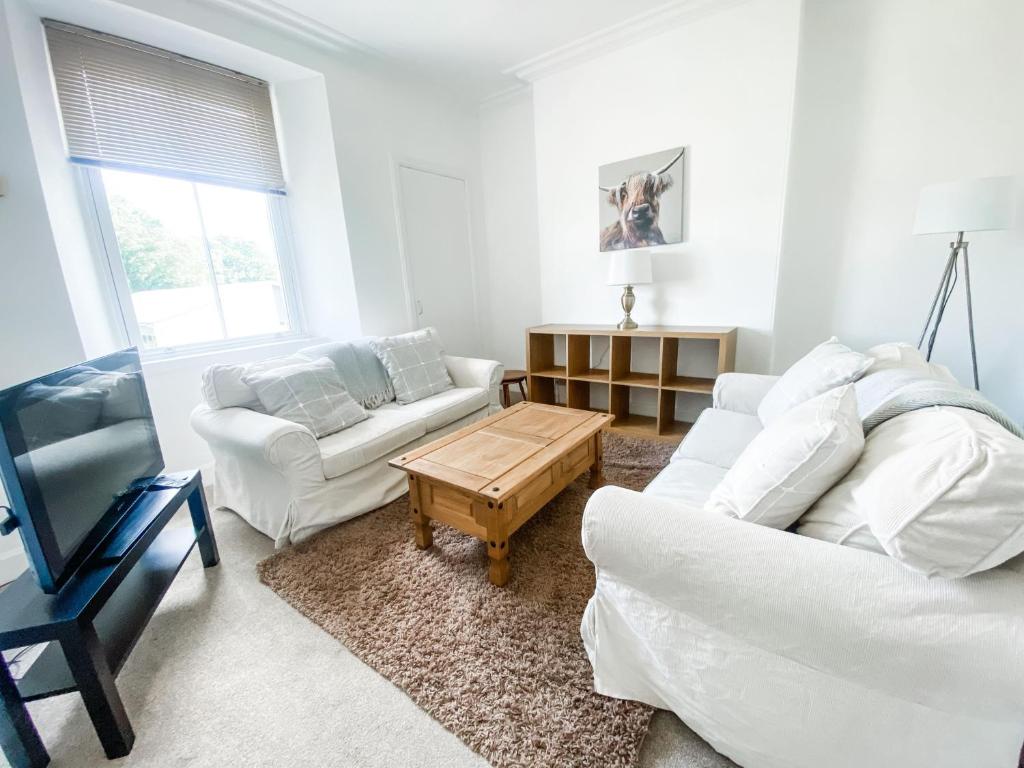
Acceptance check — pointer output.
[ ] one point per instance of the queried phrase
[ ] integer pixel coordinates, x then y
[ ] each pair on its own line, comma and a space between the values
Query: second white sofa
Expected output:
783, 651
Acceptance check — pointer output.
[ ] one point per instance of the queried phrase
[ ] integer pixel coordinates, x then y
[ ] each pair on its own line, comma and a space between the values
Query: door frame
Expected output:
397, 163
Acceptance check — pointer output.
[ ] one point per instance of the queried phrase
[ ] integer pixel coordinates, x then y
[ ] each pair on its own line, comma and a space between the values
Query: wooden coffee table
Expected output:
489, 478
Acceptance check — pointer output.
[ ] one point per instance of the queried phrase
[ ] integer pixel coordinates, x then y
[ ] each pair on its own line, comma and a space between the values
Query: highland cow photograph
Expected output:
641, 201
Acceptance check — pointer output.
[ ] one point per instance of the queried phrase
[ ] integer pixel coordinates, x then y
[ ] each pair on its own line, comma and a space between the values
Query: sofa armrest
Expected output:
954, 645
742, 392
284, 446
476, 372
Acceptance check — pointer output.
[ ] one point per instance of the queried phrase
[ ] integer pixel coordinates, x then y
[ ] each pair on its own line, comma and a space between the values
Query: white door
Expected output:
439, 256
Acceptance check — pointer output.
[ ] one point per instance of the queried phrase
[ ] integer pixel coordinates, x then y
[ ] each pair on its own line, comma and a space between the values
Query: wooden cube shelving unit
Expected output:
594, 367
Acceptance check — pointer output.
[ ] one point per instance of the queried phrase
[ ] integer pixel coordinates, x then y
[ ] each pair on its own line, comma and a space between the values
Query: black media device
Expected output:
78, 448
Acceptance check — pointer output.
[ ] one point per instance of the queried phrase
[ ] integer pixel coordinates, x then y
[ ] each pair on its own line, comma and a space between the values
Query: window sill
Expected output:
240, 350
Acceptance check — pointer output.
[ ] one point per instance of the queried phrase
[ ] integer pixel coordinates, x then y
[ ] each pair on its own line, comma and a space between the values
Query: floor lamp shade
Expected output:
973, 205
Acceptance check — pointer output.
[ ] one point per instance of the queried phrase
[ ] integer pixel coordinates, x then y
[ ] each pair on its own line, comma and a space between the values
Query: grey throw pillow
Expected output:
413, 362
310, 394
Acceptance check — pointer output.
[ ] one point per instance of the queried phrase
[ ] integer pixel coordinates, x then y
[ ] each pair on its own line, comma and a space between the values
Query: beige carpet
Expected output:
503, 669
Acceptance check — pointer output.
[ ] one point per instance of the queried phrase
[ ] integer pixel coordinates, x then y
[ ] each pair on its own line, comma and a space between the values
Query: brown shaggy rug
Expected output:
502, 668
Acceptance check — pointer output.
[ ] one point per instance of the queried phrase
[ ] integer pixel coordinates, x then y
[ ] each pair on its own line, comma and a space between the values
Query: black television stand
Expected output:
93, 623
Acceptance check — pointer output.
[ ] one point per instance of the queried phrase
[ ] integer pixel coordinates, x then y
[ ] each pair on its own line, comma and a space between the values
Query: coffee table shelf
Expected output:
574, 365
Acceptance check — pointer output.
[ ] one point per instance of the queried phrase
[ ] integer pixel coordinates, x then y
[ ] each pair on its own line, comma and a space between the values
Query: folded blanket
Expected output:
889, 393
360, 370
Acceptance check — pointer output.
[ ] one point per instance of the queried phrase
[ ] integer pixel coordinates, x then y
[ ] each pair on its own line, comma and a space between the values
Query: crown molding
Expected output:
617, 36
505, 95
298, 25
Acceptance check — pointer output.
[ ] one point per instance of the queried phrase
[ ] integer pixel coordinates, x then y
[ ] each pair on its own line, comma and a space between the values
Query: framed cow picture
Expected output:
641, 201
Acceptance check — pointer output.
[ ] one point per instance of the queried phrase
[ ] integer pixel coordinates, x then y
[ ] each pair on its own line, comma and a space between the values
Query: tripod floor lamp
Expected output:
955, 208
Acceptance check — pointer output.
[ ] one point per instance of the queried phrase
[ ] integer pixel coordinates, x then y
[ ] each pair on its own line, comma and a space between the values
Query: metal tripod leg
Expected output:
946, 273
970, 317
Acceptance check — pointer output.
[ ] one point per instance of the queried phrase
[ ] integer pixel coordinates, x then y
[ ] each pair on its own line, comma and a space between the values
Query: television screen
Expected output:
77, 448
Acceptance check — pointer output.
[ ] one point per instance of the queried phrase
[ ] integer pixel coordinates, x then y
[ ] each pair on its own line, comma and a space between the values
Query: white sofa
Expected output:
289, 485
783, 651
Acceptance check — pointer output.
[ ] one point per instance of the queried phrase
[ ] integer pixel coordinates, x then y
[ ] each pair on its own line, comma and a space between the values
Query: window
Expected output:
182, 166
193, 263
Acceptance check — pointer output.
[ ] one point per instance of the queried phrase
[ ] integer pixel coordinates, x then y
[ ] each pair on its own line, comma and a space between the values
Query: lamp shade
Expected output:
966, 206
630, 267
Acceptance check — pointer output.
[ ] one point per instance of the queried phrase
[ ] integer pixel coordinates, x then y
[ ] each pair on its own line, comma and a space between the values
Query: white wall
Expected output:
893, 96
722, 86
99, 326
37, 324
315, 211
509, 173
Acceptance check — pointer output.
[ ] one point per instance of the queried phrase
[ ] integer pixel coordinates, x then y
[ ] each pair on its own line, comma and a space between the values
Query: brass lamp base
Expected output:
628, 302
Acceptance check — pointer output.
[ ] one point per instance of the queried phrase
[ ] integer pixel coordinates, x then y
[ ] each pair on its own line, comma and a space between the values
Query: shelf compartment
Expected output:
637, 379
695, 384
552, 372
628, 358
582, 359
561, 393
588, 396
669, 426
635, 424
546, 354
673, 430
541, 390
598, 375
627, 419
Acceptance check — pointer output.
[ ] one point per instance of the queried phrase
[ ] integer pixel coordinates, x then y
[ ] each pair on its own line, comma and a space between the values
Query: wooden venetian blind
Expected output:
131, 106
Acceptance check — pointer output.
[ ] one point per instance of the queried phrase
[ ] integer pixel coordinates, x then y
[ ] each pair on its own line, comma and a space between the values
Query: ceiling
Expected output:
469, 45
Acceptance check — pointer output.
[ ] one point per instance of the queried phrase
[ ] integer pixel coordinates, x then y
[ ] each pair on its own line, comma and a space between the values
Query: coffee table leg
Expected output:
597, 470
420, 522
497, 551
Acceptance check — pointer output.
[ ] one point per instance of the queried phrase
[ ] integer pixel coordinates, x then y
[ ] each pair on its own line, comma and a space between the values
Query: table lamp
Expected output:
629, 268
956, 207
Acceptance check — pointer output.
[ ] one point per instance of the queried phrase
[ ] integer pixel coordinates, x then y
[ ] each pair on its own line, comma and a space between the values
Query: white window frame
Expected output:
97, 203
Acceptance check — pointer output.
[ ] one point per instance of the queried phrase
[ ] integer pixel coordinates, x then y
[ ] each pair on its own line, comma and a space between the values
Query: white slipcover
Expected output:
787, 652
285, 483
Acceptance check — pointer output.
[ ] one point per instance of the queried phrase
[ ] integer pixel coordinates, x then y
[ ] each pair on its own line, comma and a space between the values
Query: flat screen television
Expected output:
77, 448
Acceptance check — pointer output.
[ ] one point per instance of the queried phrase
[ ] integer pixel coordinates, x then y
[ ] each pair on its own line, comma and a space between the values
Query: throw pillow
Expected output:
827, 366
308, 393
224, 385
904, 356
413, 362
947, 501
793, 461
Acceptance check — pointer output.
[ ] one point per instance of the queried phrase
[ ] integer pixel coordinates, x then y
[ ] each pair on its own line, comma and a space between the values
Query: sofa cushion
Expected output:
686, 480
947, 499
836, 519
442, 409
384, 431
414, 364
828, 365
793, 462
310, 394
718, 437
